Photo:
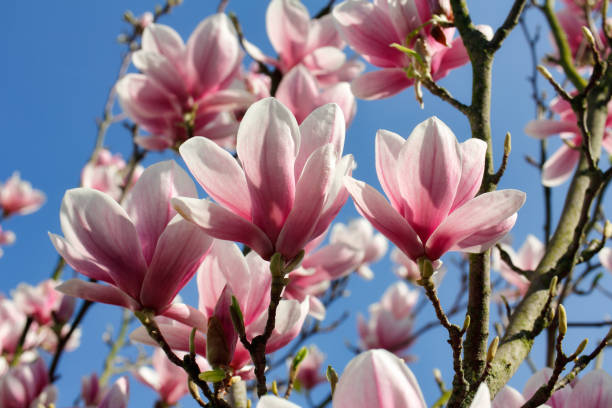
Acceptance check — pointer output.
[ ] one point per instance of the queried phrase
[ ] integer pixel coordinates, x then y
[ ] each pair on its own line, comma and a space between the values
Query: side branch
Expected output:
509, 23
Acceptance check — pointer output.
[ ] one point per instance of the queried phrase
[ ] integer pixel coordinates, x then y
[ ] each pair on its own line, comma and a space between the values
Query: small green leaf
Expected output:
299, 357
214, 376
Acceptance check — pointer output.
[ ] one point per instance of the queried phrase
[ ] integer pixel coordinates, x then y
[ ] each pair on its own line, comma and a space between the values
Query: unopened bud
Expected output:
437, 375
609, 335
332, 377
237, 317
276, 265
552, 289
492, 349
274, 388
128, 16
466, 323
545, 73
588, 35
425, 267
507, 144
581, 347
607, 229
214, 376
299, 357
562, 320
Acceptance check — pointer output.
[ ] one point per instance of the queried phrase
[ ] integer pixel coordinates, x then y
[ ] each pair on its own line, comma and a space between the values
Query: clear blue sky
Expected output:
61, 58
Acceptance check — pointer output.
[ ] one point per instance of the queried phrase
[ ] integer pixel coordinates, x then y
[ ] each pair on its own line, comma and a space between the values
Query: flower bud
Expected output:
562, 321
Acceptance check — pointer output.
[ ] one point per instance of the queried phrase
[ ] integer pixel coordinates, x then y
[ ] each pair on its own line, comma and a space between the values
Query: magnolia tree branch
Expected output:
563, 250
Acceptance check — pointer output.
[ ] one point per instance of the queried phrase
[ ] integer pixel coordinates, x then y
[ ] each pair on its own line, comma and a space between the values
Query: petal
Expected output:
605, 257
369, 31
560, 166
175, 334
480, 213
310, 195
223, 224
218, 173
117, 396
388, 146
95, 224
380, 84
268, 142
431, 160
226, 100
508, 397
271, 401
214, 52
486, 237
164, 40
298, 90
287, 24
542, 128
337, 259
473, 153
324, 59
324, 125
159, 68
377, 378
290, 316
482, 399
186, 315
322, 33
449, 58
148, 203
80, 261
179, 252
96, 292
594, 390
342, 95
373, 206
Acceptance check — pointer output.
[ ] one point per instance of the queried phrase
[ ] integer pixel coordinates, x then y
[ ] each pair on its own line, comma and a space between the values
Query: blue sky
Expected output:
61, 58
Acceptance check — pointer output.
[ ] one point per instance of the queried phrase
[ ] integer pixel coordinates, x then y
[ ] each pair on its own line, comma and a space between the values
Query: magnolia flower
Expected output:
377, 378
359, 235
91, 390
12, 322
108, 174
40, 302
299, 91
371, 28
560, 166
117, 396
431, 181
166, 378
527, 259
145, 251
288, 189
6, 238
313, 43
309, 370
605, 257
27, 385
18, 197
185, 84
249, 279
391, 320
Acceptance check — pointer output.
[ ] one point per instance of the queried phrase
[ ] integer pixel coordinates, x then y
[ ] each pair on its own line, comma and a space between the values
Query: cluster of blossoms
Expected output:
266, 144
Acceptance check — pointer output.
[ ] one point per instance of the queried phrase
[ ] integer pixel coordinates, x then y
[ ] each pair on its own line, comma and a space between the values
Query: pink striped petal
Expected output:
448, 59
323, 32
187, 315
268, 142
159, 38
508, 397
290, 316
95, 224
259, 288
223, 224
557, 400
287, 24
310, 195
214, 53
324, 59
141, 97
96, 292
483, 212
605, 257
337, 259
594, 390
380, 84
388, 146
542, 128
176, 335
80, 261
159, 68
486, 237
324, 125
560, 166
342, 95
369, 30
148, 203
226, 100
218, 173
377, 378
117, 396
431, 160
473, 153
179, 252
373, 206
298, 90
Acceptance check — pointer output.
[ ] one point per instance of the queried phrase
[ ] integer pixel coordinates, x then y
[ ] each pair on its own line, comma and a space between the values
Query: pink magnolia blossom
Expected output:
166, 378
299, 91
605, 257
180, 81
12, 322
391, 320
249, 279
39, 302
6, 238
371, 28
108, 174
145, 251
26, 385
318, 269
288, 189
309, 371
527, 258
431, 181
359, 235
593, 390
117, 395
560, 166
313, 43
18, 197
